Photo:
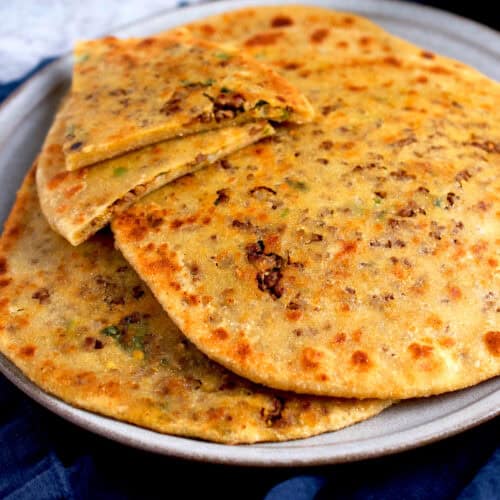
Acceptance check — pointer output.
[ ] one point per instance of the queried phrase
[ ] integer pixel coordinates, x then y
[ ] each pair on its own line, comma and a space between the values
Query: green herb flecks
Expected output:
223, 56
119, 171
284, 213
261, 103
82, 58
225, 90
112, 331
437, 202
299, 185
285, 114
377, 200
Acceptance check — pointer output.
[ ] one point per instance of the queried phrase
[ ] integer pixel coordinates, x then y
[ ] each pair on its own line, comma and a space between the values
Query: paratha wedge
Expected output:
354, 256
130, 93
79, 203
81, 324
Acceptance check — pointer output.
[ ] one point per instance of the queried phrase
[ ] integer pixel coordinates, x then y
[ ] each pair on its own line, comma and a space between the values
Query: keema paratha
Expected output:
129, 93
80, 324
79, 203
354, 256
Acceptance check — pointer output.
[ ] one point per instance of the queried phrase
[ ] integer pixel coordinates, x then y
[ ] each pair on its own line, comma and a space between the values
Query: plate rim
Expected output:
193, 449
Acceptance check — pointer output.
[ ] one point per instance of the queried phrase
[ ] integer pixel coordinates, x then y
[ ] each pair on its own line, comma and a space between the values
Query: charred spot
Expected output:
27, 351
319, 35
263, 39
450, 198
392, 61
222, 196
310, 358
92, 343
262, 188
463, 176
411, 210
242, 225
42, 295
420, 351
406, 141
113, 294
281, 21
326, 110
220, 334
326, 145
492, 341
76, 146
273, 413
227, 104
3, 265
117, 92
487, 146
427, 55
154, 221
323, 161
225, 164
360, 359
402, 175
380, 194
137, 292
423, 190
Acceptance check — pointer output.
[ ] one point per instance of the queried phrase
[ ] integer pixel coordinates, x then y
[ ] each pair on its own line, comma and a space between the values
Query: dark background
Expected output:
485, 12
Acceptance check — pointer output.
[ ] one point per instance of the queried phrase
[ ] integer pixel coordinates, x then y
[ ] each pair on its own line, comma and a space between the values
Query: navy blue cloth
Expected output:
44, 457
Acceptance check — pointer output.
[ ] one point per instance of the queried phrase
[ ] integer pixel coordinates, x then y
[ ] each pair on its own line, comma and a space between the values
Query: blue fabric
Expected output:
44, 457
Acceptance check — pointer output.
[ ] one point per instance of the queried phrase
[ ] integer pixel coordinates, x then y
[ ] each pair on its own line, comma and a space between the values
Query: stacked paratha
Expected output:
82, 325
353, 256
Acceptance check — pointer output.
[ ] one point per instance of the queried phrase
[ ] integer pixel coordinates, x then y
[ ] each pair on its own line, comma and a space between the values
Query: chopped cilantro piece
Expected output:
285, 212
301, 186
119, 171
222, 56
377, 200
285, 114
437, 202
112, 331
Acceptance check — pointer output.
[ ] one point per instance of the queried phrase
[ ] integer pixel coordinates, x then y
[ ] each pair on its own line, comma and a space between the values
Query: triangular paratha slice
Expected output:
130, 93
81, 324
77, 204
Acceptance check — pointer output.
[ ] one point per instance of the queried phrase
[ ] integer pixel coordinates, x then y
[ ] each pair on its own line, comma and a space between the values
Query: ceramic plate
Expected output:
24, 120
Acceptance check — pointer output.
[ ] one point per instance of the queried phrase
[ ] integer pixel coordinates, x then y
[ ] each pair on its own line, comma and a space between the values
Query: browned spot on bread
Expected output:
70, 192
3, 265
322, 377
3, 303
280, 21
146, 42
392, 61
454, 292
360, 359
420, 351
4, 282
57, 180
27, 351
439, 70
319, 35
364, 41
263, 39
447, 342
342, 44
220, 334
293, 315
427, 55
84, 378
434, 321
177, 223
356, 335
243, 349
339, 338
492, 341
421, 79
310, 358
207, 29
348, 247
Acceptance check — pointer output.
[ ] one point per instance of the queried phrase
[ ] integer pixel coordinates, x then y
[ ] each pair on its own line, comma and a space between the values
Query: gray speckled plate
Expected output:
24, 120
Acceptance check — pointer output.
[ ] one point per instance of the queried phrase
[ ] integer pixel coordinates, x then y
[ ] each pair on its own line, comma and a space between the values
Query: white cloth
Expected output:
31, 30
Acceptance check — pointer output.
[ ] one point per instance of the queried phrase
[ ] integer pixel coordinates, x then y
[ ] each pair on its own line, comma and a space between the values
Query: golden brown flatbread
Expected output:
353, 256
130, 93
79, 203
81, 324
